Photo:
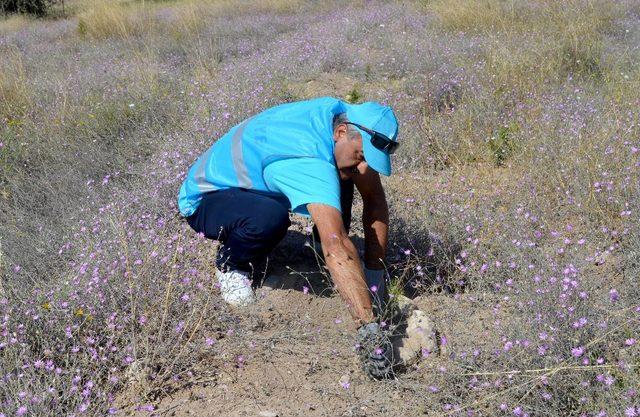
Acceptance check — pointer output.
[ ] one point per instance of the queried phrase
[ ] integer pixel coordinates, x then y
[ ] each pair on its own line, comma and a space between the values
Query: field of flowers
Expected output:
520, 135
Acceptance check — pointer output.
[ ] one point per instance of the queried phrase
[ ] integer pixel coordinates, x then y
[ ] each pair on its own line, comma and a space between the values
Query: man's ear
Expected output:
340, 131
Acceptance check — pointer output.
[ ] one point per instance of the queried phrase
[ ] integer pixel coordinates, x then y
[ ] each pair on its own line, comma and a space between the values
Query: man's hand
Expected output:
375, 351
343, 261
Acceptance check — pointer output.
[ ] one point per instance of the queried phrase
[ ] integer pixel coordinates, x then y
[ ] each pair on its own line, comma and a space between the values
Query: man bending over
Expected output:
305, 157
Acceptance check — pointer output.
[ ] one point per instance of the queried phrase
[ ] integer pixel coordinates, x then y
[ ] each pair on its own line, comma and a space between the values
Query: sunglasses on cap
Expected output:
378, 140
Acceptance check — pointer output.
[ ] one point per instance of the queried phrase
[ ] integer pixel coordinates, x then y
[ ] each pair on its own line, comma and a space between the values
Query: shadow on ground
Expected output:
419, 260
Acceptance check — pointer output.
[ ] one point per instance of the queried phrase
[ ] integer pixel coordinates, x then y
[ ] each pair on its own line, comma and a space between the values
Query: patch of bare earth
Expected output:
294, 354
296, 359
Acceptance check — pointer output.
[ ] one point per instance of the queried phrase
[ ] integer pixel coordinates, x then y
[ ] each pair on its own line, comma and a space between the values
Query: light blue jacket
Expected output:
286, 150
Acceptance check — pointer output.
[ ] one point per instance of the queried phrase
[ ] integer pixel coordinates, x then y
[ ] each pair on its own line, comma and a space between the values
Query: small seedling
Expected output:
501, 144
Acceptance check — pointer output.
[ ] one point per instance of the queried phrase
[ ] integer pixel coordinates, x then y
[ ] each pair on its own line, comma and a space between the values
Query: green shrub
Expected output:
354, 96
501, 144
36, 7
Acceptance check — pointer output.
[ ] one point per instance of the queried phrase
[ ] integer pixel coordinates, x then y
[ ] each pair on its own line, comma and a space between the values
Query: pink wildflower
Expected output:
614, 295
577, 351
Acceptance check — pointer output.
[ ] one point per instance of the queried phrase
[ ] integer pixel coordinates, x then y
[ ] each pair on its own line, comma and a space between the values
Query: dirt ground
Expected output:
296, 354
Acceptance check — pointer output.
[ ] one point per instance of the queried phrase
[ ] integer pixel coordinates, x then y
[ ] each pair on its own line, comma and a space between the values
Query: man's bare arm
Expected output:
343, 261
375, 216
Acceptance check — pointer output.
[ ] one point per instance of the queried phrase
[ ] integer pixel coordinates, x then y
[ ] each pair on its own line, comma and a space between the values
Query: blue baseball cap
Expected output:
376, 117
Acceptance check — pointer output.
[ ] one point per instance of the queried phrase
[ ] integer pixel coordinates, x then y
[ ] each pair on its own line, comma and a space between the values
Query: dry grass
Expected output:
544, 127
489, 16
103, 19
478, 15
106, 19
14, 90
533, 42
13, 23
528, 49
235, 7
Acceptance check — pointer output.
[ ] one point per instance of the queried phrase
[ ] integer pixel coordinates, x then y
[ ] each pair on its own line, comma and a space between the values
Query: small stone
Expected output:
268, 414
345, 380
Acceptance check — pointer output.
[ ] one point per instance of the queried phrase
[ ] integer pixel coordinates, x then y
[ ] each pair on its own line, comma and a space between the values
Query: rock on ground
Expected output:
418, 339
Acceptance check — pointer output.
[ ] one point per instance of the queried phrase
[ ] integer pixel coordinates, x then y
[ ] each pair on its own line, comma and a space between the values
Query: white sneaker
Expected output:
235, 287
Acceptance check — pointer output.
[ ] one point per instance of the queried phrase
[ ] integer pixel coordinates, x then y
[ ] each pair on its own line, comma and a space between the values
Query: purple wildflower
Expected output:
614, 295
577, 351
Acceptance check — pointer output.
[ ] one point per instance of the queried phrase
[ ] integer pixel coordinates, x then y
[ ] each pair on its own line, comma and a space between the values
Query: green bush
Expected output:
501, 144
36, 7
354, 96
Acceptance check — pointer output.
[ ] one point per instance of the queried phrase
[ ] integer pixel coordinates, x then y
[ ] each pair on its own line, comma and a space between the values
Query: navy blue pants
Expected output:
249, 224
